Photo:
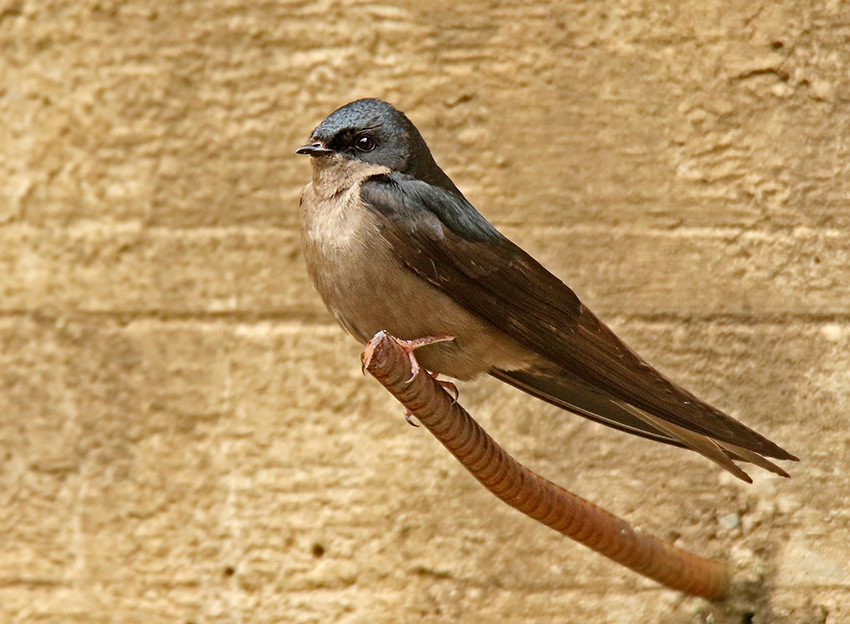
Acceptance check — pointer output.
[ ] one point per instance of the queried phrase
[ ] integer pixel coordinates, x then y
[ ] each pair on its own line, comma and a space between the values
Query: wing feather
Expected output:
440, 236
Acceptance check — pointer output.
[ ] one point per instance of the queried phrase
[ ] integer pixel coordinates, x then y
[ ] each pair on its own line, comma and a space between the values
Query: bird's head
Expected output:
374, 132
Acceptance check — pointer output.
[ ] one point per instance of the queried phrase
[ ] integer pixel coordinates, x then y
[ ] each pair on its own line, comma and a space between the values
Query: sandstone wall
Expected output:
185, 434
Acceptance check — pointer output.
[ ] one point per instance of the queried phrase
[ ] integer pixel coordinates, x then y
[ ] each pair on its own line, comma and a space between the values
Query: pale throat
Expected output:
334, 175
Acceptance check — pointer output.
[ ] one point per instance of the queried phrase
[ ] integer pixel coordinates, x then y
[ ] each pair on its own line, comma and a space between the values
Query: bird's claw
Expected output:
452, 389
410, 346
408, 417
414, 365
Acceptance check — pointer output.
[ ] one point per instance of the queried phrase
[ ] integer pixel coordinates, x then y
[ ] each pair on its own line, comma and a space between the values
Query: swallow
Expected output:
391, 244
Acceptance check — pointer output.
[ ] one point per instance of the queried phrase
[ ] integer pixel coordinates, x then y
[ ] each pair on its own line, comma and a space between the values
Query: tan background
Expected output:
185, 436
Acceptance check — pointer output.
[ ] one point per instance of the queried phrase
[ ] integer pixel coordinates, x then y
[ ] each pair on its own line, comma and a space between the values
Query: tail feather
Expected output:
742, 454
575, 396
567, 391
701, 444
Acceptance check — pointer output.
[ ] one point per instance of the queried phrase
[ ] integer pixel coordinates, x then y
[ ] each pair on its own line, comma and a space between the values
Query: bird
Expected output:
391, 244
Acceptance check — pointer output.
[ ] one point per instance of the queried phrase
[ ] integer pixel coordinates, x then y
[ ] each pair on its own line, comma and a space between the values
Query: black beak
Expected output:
314, 149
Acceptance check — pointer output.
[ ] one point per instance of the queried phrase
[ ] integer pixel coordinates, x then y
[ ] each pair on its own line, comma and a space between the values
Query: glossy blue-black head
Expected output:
375, 132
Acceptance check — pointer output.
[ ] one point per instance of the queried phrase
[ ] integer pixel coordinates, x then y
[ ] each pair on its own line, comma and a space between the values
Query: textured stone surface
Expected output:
185, 435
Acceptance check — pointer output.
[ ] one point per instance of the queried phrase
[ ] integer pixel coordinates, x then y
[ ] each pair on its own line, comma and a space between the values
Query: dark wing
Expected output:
559, 387
440, 236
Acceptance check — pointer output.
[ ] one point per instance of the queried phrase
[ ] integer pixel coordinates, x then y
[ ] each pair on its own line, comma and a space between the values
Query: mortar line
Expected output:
308, 319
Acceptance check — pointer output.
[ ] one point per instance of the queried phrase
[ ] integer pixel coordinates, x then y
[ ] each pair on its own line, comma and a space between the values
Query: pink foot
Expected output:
452, 389
410, 346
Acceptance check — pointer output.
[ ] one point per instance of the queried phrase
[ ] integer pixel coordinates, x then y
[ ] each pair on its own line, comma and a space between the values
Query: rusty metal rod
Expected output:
530, 493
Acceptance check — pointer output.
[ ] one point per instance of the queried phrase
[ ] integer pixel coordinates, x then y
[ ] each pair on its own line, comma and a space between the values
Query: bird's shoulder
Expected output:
416, 206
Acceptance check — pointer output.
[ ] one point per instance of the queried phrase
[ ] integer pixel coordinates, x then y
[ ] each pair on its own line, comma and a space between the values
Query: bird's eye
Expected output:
365, 143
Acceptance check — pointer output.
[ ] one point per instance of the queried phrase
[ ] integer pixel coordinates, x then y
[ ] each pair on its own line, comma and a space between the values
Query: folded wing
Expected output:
440, 236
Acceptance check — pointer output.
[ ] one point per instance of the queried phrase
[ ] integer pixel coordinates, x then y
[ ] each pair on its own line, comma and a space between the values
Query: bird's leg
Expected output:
448, 386
409, 346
